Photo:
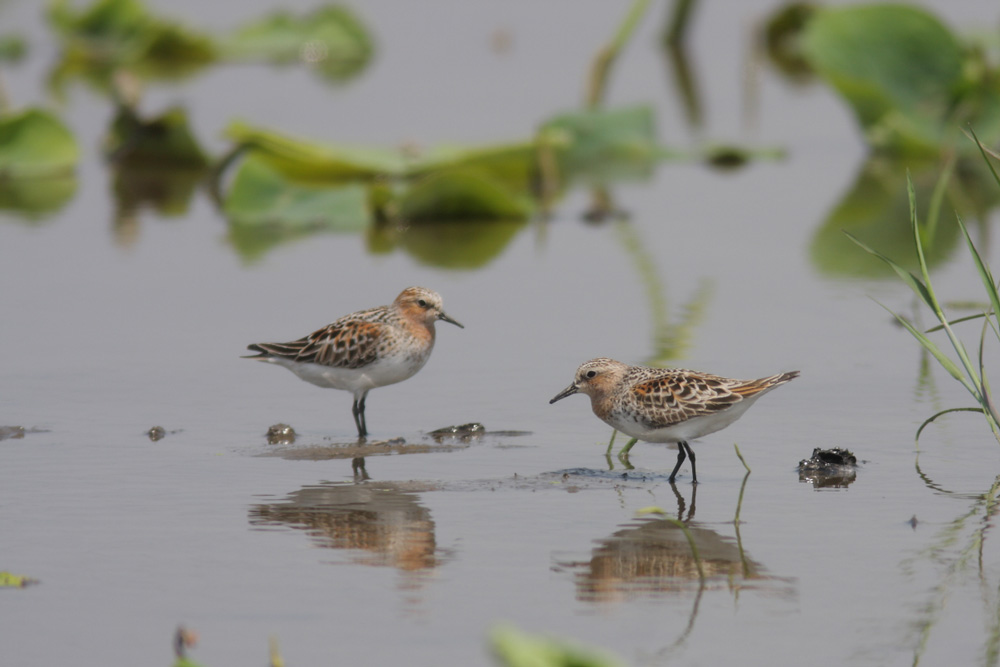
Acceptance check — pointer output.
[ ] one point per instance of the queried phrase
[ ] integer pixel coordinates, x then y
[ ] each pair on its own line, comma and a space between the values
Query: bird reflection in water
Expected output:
653, 556
381, 524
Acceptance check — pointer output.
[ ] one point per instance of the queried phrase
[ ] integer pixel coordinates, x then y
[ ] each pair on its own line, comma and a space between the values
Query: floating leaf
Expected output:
899, 68
109, 35
9, 580
35, 144
37, 198
876, 210
123, 33
461, 195
331, 38
513, 164
306, 160
261, 196
450, 245
514, 648
164, 140
602, 146
12, 48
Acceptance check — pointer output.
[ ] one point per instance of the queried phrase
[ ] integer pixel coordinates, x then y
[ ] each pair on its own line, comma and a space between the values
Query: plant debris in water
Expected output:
10, 580
18, 432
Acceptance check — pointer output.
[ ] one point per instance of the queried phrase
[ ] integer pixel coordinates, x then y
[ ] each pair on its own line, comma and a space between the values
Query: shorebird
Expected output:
364, 350
666, 404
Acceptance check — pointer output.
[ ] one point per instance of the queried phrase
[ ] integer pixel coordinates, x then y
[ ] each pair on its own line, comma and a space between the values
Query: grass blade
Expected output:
982, 268
915, 284
959, 320
939, 414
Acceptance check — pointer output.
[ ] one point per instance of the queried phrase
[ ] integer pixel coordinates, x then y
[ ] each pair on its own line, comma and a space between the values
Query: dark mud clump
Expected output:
280, 434
829, 468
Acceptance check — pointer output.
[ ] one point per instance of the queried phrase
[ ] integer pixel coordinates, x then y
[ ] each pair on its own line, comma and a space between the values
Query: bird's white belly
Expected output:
380, 373
686, 430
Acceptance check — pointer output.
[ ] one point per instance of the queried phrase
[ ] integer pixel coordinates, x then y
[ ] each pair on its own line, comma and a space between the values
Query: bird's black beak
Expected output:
568, 391
443, 316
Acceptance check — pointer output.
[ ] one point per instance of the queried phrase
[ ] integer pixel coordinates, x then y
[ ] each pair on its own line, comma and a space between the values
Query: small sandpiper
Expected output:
666, 404
363, 350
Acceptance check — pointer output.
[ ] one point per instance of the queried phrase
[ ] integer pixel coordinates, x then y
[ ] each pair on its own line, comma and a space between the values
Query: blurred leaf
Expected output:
109, 35
899, 68
601, 146
310, 161
782, 37
37, 198
121, 33
166, 188
514, 648
510, 163
331, 38
462, 195
463, 244
12, 48
164, 140
265, 209
876, 210
9, 580
184, 661
35, 144
260, 196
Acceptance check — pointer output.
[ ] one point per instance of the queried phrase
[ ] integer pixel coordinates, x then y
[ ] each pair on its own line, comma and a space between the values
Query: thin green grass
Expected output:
971, 373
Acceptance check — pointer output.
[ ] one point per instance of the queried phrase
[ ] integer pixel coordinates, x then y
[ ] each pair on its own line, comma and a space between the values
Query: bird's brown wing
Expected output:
346, 343
675, 397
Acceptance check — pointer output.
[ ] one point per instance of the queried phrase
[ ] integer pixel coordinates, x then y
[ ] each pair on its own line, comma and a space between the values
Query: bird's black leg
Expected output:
358, 410
681, 455
694, 473
361, 410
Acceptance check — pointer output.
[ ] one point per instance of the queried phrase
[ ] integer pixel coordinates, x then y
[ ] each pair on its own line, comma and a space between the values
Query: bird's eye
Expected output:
422, 303
591, 374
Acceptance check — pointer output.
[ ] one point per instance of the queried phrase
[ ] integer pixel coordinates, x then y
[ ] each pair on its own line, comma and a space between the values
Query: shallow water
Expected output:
111, 328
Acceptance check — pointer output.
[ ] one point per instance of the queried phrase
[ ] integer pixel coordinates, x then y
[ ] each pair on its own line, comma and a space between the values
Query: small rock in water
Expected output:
7, 432
280, 434
463, 432
156, 433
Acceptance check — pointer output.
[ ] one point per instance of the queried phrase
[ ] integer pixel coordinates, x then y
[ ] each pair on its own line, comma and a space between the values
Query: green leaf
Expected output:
513, 164
123, 33
604, 145
307, 160
35, 144
450, 244
37, 198
12, 48
897, 66
330, 38
167, 188
876, 211
514, 648
9, 580
261, 196
462, 195
164, 140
